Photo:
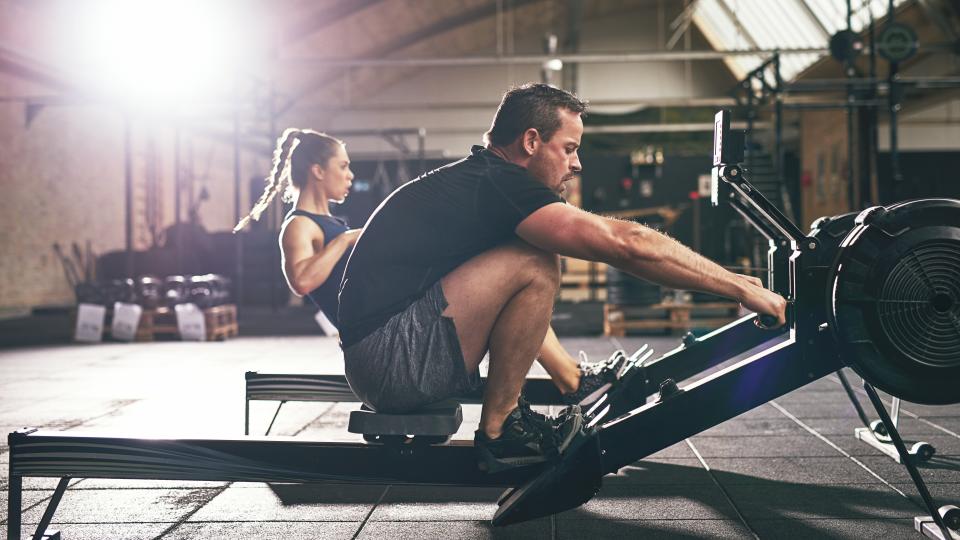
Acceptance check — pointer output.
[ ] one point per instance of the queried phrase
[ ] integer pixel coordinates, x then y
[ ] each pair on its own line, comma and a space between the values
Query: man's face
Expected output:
556, 162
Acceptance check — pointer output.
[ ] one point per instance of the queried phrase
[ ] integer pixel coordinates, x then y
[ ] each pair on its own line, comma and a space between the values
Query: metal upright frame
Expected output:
808, 353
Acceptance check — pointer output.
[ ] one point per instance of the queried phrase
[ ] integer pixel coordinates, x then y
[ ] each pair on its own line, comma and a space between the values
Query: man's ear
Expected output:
317, 171
530, 141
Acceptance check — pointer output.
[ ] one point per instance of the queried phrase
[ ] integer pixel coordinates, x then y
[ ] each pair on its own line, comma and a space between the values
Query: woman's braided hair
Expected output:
297, 150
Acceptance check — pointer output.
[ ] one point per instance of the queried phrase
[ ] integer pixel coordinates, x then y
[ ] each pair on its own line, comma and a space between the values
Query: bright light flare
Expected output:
162, 51
553, 64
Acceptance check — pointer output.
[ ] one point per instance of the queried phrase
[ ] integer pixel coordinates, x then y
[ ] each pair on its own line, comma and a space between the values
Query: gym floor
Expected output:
788, 469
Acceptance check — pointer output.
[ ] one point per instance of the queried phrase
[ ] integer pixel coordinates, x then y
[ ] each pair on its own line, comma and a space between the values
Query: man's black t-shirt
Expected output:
427, 228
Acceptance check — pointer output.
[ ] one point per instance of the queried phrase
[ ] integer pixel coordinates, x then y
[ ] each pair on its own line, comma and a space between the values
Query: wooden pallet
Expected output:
161, 323
582, 281
221, 322
666, 317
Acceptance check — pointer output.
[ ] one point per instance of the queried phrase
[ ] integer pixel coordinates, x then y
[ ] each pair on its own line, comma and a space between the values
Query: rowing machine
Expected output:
837, 315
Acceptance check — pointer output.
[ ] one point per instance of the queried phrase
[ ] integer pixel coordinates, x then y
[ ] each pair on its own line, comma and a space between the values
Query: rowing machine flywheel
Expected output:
895, 299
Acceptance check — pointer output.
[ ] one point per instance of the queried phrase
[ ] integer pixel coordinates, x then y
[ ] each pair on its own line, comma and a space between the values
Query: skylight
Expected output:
780, 24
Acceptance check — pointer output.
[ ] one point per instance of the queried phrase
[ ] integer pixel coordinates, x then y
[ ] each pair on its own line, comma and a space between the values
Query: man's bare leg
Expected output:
501, 301
564, 370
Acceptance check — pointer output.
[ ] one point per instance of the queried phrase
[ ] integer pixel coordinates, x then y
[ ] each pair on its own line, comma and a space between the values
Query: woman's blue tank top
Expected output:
326, 295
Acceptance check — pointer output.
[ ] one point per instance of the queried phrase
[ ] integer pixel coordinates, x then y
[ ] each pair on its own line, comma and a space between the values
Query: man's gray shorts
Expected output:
412, 360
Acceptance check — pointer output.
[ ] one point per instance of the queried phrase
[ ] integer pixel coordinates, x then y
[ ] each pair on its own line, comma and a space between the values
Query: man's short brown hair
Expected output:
533, 105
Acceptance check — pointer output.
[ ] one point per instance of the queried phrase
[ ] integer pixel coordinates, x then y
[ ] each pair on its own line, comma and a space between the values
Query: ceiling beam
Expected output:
304, 26
639, 103
23, 67
814, 19
943, 15
682, 23
732, 15
441, 26
607, 58
669, 127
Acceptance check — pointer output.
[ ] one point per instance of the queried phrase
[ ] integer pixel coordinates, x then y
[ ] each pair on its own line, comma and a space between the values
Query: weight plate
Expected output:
897, 42
845, 45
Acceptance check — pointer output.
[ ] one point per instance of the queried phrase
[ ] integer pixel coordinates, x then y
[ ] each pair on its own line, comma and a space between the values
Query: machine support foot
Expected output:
853, 398
927, 527
274, 419
14, 507
875, 433
905, 459
41, 532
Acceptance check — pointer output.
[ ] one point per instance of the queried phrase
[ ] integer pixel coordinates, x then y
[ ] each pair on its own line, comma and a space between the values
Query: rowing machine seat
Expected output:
432, 424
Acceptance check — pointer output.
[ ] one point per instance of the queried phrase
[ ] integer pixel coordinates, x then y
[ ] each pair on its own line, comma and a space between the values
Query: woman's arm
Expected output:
305, 266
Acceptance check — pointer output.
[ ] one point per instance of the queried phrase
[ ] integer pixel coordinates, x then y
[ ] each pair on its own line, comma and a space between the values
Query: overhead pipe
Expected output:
647, 56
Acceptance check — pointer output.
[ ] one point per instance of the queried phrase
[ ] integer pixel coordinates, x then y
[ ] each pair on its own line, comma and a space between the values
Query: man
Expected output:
463, 261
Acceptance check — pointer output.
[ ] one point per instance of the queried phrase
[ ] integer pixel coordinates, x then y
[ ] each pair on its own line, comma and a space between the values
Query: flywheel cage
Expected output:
919, 304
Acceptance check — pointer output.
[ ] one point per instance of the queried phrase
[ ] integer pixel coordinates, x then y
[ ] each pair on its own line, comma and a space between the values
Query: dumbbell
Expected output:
89, 293
149, 292
219, 288
120, 290
174, 290
200, 291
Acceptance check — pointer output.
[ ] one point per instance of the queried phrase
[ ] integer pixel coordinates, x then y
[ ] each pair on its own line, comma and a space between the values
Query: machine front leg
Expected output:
907, 462
14, 506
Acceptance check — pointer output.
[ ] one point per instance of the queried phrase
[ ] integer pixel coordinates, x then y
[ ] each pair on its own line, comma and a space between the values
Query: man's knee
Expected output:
539, 266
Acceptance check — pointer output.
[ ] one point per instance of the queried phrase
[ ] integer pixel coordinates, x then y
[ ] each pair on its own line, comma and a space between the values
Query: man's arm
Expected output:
641, 251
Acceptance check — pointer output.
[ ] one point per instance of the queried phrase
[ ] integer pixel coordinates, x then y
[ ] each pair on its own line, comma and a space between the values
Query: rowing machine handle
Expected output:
766, 322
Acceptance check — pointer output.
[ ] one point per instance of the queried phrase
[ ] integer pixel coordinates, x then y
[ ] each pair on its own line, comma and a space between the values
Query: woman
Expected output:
311, 170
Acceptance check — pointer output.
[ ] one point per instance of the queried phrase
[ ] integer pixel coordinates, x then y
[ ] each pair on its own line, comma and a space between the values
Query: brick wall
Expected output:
63, 181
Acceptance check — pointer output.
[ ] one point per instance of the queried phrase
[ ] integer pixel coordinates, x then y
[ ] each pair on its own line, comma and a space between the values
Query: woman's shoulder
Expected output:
299, 226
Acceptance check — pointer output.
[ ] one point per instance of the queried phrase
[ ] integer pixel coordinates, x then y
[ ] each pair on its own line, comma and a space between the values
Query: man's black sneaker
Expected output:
525, 440
616, 361
596, 378
552, 421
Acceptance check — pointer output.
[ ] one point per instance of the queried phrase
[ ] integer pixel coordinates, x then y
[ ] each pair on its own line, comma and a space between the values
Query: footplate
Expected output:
573, 480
